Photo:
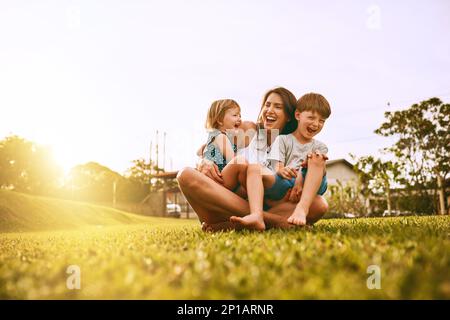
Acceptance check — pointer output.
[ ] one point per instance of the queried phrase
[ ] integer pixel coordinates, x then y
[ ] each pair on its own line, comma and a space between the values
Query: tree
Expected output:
92, 182
143, 172
95, 182
423, 133
27, 167
379, 176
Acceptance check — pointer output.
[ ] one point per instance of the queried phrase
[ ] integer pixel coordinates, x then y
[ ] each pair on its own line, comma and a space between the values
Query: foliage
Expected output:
27, 167
143, 172
423, 132
94, 182
345, 199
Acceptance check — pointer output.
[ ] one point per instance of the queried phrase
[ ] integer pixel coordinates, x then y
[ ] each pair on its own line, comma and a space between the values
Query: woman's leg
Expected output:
317, 210
212, 202
215, 204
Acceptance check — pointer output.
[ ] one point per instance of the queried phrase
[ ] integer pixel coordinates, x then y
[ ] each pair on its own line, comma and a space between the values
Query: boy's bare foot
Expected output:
220, 226
298, 217
251, 221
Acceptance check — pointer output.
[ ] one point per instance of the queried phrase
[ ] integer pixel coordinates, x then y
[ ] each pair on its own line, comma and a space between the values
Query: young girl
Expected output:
224, 124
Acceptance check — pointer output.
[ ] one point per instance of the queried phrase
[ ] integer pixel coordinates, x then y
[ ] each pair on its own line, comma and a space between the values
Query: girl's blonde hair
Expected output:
217, 111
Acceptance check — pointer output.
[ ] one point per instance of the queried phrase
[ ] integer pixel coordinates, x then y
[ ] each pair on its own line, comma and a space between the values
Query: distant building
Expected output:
340, 170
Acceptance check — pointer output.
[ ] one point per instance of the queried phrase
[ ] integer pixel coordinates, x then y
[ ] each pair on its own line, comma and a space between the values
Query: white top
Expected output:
288, 150
257, 150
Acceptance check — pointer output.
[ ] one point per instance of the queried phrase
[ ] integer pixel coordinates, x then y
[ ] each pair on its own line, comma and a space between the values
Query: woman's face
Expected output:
272, 113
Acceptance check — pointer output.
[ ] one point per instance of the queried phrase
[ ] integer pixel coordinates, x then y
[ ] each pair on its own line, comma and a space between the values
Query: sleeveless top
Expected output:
213, 153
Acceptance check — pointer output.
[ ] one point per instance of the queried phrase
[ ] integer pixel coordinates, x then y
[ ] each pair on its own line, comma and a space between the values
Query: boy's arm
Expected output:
285, 172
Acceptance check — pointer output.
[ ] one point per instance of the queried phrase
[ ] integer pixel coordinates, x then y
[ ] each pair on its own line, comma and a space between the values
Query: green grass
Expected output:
21, 212
174, 259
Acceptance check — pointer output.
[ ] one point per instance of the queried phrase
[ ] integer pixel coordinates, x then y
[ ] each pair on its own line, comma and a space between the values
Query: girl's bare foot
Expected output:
251, 221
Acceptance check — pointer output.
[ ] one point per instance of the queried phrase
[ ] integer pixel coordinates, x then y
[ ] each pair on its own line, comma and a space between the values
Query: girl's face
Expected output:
310, 123
231, 119
272, 113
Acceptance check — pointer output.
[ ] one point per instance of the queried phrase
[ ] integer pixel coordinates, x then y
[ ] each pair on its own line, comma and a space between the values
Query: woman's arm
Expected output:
249, 130
210, 169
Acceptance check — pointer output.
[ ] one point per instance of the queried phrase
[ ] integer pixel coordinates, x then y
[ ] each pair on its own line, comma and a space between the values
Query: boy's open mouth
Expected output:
311, 131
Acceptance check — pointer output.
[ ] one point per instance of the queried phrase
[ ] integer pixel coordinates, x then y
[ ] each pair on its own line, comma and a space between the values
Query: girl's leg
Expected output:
313, 179
258, 178
235, 173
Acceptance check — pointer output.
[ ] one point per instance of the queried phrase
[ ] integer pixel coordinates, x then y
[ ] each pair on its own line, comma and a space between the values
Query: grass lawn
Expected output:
173, 259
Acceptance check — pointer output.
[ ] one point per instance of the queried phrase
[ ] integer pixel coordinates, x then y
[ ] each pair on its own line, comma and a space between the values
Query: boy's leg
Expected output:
258, 178
311, 184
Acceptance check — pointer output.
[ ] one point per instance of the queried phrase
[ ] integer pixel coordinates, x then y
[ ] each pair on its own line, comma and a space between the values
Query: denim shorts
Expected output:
279, 189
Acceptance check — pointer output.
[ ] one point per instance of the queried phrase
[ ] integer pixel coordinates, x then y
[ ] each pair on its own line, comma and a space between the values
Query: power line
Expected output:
390, 104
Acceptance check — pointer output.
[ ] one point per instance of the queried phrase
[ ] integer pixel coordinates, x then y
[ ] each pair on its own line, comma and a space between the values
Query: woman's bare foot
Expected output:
251, 221
220, 226
298, 217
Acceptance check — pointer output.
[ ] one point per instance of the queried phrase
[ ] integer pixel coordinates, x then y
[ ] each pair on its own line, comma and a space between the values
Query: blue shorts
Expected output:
279, 189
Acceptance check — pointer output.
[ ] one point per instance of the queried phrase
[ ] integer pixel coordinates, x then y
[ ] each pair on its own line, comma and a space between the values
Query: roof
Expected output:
343, 161
165, 175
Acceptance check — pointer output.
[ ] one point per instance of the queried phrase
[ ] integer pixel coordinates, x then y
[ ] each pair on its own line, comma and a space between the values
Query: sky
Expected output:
95, 80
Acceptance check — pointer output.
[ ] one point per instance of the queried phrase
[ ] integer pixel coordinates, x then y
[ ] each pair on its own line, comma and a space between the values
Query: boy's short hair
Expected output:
314, 102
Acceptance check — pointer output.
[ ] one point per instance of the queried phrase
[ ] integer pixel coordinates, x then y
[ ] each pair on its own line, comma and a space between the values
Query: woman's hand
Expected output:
296, 193
210, 169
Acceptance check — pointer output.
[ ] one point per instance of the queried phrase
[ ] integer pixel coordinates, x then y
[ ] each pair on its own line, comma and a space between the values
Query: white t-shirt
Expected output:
257, 150
288, 150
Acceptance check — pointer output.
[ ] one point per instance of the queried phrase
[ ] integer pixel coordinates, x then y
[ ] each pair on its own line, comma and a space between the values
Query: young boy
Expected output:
287, 155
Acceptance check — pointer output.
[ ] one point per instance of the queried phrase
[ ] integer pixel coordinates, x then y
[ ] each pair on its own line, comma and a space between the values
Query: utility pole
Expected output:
157, 152
164, 152
150, 164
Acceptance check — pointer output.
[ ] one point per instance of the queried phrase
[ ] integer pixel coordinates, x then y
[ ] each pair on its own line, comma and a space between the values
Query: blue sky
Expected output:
96, 79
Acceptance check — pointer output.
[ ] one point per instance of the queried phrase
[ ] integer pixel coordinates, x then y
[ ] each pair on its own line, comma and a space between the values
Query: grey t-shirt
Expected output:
288, 150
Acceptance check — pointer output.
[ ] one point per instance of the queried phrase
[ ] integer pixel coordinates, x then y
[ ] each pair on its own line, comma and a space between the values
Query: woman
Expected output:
215, 204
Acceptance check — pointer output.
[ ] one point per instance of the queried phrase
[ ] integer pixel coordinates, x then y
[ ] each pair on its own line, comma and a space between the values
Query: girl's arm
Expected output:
200, 150
224, 145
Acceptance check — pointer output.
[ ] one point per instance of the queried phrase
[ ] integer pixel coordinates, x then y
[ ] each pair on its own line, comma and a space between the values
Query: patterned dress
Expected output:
213, 153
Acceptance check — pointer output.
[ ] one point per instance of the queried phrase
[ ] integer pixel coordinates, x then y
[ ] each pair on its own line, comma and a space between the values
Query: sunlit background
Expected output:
96, 79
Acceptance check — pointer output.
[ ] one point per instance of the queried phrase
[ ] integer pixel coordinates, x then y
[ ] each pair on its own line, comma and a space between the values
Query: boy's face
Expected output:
310, 123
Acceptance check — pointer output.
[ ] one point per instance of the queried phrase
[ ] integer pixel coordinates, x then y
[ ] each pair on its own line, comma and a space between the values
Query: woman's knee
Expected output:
186, 177
322, 205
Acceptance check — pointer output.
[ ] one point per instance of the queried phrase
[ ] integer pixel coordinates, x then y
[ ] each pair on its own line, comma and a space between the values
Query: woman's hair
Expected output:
217, 111
289, 105
314, 102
